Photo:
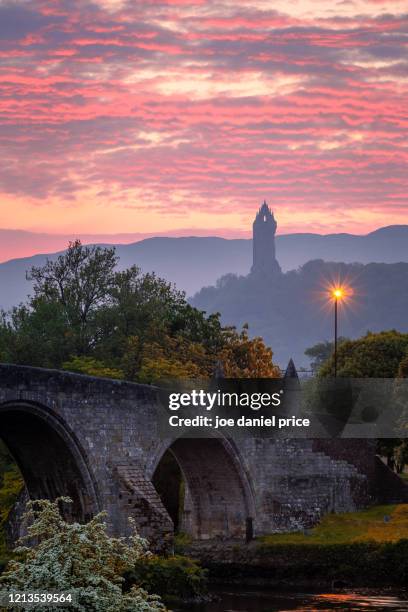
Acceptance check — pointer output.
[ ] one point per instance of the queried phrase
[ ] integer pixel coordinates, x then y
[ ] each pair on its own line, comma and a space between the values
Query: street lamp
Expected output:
337, 294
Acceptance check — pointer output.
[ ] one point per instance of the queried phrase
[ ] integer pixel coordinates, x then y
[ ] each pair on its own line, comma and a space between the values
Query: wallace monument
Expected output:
264, 254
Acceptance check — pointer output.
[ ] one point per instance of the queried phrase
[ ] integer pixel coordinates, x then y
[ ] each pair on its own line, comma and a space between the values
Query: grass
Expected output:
377, 524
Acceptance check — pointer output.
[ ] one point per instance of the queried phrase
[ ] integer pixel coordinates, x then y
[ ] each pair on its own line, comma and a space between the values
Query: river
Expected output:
272, 601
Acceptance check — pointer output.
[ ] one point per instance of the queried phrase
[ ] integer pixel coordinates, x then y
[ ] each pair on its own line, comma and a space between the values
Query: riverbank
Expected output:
305, 565
363, 549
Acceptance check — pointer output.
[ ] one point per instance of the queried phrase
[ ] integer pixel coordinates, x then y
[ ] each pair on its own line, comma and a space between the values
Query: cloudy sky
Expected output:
170, 115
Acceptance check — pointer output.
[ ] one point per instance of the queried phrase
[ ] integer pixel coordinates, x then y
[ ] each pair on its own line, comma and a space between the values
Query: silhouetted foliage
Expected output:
291, 311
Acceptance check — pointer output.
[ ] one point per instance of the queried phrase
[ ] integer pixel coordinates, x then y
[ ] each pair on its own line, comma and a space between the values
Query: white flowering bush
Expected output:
80, 559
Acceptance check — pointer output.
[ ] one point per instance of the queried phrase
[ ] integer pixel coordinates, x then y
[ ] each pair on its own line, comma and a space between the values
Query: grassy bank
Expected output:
365, 549
376, 524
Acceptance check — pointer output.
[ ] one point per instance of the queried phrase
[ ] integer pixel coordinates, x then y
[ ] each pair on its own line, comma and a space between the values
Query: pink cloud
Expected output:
187, 107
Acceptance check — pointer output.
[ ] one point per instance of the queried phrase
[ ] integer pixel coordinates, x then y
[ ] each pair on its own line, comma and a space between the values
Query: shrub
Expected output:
79, 559
172, 578
181, 542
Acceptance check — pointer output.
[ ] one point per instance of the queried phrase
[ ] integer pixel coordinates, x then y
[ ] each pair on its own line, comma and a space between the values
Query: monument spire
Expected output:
264, 256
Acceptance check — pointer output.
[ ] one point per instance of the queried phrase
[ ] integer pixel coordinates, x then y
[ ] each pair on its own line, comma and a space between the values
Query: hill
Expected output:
195, 262
190, 263
291, 312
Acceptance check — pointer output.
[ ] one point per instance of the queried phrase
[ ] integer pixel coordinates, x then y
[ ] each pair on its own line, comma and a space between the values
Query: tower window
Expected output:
264, 218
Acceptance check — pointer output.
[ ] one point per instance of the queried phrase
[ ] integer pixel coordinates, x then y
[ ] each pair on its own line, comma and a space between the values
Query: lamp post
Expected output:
337, 295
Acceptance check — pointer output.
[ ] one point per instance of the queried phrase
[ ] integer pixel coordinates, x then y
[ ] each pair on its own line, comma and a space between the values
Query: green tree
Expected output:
80, 559
380, 355
91, 367
193, 324
87, 317
321, 352
80, 282
372, 356
140, 305
36, 334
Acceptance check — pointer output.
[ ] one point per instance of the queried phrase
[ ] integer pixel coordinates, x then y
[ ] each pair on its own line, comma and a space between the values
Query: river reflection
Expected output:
267, 601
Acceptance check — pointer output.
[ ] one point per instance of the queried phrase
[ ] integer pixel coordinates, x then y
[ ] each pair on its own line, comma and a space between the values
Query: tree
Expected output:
87, 317
79, 281
381, 355
245, 357
36, 334
91, 367
80, 559
193, 324
141, 305
372, 356
321, 352
174, 358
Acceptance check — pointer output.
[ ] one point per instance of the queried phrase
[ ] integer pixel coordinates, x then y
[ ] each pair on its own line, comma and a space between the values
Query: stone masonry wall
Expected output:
110, 428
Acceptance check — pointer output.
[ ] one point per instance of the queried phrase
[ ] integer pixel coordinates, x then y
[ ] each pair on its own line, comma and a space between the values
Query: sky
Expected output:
182, 116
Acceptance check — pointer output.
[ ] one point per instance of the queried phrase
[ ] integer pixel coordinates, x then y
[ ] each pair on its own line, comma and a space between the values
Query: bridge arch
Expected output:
218, 500
49, 456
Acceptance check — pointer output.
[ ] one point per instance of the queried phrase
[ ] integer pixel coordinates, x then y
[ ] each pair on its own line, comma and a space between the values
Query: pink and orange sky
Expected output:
181, 116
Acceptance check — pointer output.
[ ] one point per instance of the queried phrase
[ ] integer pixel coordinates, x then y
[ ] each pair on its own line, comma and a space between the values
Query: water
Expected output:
268, 601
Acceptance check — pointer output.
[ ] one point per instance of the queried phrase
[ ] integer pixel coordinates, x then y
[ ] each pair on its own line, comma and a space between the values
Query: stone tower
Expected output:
264, 258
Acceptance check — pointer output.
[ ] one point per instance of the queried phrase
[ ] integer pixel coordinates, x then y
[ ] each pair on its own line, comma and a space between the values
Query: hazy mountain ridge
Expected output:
17, 244
195, 262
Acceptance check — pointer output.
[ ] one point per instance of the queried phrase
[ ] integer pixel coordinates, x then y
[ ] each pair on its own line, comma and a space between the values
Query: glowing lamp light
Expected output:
337, 293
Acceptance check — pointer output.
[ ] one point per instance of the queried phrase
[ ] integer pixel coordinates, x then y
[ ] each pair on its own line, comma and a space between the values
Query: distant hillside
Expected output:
385, 245
190, 263
15, 244
292, 312
195, 262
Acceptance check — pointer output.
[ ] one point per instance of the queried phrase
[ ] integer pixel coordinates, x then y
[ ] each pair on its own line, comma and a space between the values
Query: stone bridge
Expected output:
97, 441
